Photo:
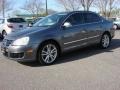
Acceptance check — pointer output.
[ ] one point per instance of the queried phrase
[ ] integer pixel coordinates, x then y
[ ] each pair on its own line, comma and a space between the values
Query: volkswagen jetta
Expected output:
58, 33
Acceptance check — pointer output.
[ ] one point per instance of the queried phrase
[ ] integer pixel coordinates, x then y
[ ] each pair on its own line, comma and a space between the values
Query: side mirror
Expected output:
67, 25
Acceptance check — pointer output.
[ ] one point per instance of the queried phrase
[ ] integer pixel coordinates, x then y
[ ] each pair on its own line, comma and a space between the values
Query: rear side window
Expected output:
1, 21
16, 20
91, 17
75, 19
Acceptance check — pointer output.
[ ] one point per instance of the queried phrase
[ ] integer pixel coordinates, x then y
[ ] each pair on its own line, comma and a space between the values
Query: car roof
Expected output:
70, 12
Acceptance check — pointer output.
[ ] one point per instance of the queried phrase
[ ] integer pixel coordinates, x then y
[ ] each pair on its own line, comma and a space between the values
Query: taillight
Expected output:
10, 26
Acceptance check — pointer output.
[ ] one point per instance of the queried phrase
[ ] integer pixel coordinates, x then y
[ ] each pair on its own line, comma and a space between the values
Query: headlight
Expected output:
22, 41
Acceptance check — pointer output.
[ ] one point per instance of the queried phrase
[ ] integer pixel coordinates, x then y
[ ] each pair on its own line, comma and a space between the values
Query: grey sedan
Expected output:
58, 33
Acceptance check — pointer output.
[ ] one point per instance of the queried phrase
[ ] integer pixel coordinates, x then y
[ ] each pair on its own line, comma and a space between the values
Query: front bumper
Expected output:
20, 53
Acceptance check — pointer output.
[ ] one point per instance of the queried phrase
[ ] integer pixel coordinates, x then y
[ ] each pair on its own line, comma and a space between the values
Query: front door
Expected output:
74, 36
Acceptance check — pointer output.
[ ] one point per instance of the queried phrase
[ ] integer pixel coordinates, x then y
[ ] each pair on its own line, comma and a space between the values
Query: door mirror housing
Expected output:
67, 25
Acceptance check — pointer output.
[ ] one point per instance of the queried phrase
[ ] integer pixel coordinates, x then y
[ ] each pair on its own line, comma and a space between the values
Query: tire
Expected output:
4, 34
105, 41
48, 53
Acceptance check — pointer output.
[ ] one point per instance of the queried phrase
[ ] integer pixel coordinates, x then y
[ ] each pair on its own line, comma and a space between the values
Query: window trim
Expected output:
81, 24
68, 17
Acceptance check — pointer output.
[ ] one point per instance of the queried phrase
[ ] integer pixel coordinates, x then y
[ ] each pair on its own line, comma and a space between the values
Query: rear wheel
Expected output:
48, 53
105, 41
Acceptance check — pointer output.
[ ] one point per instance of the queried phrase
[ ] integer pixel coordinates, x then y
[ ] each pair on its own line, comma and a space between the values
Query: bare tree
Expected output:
115, 12
86, 4
33, 6
69, 5
5, 5
106, 6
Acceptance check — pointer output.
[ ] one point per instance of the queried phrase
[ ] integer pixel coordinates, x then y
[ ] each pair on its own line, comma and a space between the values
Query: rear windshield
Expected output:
16, 20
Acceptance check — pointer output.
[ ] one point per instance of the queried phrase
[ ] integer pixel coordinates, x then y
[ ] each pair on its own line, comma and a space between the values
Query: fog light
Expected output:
29, 52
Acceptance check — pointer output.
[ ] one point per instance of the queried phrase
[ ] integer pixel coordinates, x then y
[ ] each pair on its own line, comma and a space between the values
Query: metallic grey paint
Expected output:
67, 38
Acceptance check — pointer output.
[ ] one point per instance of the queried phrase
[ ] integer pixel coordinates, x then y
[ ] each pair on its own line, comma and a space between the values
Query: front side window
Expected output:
75, 19
50, 20
91, 17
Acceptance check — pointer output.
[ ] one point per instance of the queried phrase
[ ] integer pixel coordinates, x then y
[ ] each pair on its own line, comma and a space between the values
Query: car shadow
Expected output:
80, 54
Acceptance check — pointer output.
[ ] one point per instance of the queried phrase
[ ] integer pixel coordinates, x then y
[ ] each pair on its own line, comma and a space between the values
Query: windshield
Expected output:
50, 20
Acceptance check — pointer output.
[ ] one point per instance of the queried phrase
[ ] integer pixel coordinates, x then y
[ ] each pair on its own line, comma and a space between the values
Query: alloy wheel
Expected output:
105, 41
49, 53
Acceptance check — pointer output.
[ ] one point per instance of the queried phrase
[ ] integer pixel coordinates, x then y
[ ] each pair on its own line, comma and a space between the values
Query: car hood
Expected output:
26, 32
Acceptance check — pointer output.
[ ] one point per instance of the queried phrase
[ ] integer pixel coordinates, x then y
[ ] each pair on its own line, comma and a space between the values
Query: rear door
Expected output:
93, 26
75, 35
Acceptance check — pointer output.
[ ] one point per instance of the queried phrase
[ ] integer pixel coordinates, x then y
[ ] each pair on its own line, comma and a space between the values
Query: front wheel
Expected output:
48, 53
105, 41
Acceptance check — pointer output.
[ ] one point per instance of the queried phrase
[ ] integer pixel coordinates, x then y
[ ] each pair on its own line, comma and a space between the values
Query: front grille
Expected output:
7, 42
16, 55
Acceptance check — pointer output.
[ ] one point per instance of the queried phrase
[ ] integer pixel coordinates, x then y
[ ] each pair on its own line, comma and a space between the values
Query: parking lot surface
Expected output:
90, 68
